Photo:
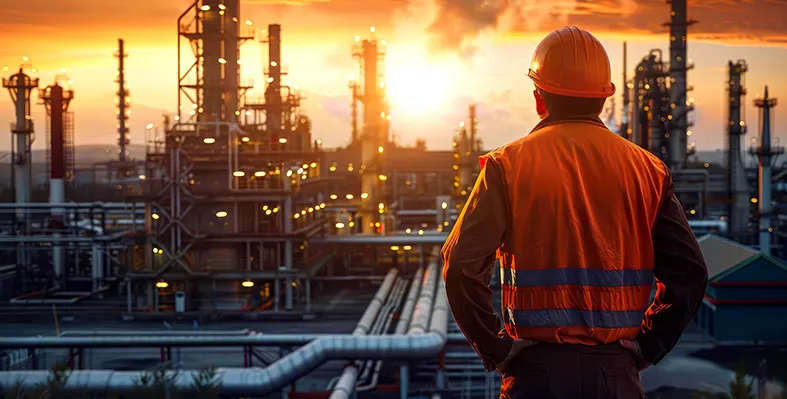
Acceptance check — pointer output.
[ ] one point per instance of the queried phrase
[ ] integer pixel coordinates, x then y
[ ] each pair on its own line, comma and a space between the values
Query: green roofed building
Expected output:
746, 298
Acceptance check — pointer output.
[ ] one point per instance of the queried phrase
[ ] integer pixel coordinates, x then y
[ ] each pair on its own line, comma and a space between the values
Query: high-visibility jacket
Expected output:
577, 259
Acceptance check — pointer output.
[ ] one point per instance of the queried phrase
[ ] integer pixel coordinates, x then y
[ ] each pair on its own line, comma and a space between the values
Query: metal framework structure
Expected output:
738, 207
226, 197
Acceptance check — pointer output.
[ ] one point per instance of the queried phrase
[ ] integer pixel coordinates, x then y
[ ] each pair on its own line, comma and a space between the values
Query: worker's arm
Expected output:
469, 255
681, 278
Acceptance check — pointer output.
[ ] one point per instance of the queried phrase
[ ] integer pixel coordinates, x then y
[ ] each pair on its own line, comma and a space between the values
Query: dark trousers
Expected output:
563, 371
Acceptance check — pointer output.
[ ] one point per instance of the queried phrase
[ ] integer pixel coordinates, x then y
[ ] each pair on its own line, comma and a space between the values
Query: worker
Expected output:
581, 221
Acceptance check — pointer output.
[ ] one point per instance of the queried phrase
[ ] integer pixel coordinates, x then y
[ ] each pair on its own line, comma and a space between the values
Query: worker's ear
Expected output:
541, 108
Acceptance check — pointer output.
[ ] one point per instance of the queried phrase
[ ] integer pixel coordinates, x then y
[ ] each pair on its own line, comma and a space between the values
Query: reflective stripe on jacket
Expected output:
577, 261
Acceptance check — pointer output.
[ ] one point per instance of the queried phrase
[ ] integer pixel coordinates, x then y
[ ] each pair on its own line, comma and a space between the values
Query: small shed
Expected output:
746, 298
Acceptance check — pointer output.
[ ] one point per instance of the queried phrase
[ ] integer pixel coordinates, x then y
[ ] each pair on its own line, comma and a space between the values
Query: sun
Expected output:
415, 86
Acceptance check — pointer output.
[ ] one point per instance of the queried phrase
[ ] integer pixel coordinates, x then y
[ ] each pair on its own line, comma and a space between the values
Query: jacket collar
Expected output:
549, 121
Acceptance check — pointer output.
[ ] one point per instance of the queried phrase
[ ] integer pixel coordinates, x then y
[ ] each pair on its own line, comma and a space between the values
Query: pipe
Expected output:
401, 326
236, 381
346, 386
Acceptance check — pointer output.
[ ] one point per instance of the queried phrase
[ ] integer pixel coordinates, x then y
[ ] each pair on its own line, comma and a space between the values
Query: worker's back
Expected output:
578, 257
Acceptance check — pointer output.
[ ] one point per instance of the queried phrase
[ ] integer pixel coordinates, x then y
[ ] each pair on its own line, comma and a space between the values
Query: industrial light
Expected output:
142, 177
300, 170
380, 149
351, 224
222, 61
350, 167
332, 168
303, 212
239, 173
222, 7
149, 126
754, 200
382, 177
334, 196
274, 63
407, 248
245, 139
444, 205
248, 22
311, 209
340, 225
349, 196
297, 215
208, 140
155, 216
372, 29
259, 173
275, 209
268, 212
381, 206
394, 248
420, 232
364, 195
221, 214
322, 205
283, 140
155, 250
205, 8
313, 164
247, 284
408, 230
161, 284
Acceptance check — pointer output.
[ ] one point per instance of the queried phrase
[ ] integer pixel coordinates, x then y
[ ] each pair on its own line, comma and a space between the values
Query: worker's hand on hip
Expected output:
636, 351
517, 346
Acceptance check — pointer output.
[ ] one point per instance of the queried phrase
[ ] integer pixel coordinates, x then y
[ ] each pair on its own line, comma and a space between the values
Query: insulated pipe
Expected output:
182, 341
401, 326
370, 315
361, 330
345, 387
257, 381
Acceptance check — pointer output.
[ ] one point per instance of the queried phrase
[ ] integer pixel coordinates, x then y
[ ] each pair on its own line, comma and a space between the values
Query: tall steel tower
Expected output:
208, 87
124, 103
679, 107
765, 151
374, 132
21, 86
57, 101
738, 207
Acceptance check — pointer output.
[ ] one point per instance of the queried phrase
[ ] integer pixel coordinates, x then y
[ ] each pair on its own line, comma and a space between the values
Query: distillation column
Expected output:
273, 101
21, 86
678, 118
737, 186
123, 103
625, 130
374, 135
57, 101
765, 151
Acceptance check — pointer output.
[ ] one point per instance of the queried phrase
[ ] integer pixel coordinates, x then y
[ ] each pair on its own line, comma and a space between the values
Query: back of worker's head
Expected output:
571, 72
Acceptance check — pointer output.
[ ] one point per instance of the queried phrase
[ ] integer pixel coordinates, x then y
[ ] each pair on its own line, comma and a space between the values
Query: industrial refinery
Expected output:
240, 241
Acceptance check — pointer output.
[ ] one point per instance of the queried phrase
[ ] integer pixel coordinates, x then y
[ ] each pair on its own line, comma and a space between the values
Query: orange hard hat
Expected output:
572, 62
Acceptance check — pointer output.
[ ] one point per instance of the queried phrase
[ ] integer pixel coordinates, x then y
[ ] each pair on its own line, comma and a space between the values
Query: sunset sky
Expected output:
442, 55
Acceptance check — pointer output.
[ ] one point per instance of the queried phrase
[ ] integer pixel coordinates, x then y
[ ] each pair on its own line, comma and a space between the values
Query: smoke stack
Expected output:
765, 152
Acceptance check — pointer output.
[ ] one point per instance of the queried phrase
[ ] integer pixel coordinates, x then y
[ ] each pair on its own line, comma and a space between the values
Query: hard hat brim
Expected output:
606, 92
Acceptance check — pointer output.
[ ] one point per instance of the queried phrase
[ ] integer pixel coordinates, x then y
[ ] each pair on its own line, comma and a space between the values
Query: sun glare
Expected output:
415, 85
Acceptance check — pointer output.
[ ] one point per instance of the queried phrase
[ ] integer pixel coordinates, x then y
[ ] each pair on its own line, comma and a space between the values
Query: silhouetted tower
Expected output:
124, 103
738, 207
209, 88
679, 105
353, 85
273, 98
21, 86
374, 133
56, 100
766, 153
625, 130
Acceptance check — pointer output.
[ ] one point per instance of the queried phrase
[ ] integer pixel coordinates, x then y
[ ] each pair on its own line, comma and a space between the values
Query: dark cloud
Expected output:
459, 22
